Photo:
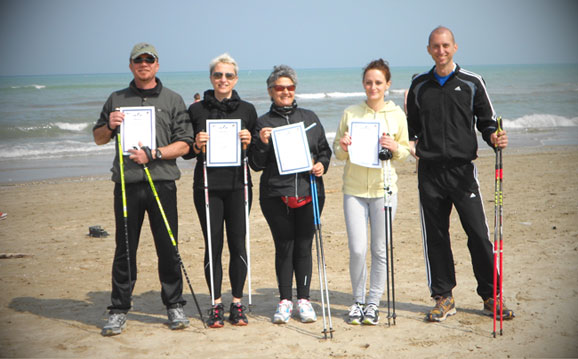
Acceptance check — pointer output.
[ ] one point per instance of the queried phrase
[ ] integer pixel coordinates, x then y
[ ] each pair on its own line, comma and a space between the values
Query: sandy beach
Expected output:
55, 280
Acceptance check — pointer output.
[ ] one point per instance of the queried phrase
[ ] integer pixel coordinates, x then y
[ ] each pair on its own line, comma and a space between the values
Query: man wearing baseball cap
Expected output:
174, 136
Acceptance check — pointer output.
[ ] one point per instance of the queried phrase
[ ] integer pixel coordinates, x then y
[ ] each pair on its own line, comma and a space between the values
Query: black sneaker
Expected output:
115, 324
177, 318
216, 316
237, 314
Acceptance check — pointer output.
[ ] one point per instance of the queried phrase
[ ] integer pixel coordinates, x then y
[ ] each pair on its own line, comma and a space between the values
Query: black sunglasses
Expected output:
219, 75
147, 59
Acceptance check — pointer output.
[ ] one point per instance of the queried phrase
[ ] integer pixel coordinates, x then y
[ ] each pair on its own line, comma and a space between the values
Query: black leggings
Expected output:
292, 230
225, 207
140, 199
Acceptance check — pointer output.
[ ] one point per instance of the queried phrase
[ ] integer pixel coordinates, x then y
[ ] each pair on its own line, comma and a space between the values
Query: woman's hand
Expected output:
245, 137
200, 141
318, 169
386, 141
265, 134
345, 141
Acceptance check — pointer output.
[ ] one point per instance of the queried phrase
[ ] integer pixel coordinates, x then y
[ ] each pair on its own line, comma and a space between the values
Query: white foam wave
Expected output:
322, 95
53, 149
67, 126
398, 91
38, 87
540, 121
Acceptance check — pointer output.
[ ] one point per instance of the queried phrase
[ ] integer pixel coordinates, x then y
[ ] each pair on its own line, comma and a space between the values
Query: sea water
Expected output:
46, 121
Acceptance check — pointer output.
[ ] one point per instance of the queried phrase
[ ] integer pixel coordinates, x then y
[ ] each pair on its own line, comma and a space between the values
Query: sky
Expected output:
39, 37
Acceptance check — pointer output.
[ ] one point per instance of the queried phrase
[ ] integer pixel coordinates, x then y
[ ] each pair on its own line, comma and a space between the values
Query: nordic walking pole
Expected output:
208, 222
173, 241
498, 234
321, 259
124, 210
247, 228
385, 156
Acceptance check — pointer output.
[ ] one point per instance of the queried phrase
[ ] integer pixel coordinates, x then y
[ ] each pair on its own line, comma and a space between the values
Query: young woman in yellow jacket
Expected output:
363, 190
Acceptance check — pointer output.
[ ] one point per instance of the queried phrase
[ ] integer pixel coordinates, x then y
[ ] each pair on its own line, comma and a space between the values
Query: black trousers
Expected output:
442, 186
292, 230
140, 199
225, 207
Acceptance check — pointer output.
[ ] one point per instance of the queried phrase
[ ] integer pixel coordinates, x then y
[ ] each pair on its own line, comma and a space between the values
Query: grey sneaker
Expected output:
355, 314
177, 318
115, 325
371, 315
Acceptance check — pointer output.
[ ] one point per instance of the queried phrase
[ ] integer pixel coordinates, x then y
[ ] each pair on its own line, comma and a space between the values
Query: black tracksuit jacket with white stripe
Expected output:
444, 118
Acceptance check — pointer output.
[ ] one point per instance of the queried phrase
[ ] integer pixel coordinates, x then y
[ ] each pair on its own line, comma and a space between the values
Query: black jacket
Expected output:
444, 118
262, 156
220, 178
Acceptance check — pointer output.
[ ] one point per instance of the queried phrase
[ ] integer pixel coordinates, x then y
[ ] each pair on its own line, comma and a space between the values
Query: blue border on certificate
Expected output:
236, 163
282, 169
361, 122
149, 111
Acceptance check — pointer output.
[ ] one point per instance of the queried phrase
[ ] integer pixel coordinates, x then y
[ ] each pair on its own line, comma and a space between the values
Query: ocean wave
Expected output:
323, 95
540, 121
38, 87
52, 149
56, 126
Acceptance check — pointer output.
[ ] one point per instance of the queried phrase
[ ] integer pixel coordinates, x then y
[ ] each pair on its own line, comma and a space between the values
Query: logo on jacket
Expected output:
458, 88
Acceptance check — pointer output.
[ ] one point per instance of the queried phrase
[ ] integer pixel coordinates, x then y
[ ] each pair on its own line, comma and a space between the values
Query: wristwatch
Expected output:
158, 154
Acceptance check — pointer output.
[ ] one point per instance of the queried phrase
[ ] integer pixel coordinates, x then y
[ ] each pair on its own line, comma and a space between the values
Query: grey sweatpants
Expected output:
358, 212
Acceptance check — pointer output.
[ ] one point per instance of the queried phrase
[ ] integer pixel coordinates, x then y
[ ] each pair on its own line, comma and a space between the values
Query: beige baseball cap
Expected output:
143, 48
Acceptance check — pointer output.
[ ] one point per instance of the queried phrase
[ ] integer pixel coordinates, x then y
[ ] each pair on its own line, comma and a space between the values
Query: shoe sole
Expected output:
490, 313
369, 322
179, 325
217, 325
451, 312
280, 321
308, 320
240, 323
112, 332
354, 321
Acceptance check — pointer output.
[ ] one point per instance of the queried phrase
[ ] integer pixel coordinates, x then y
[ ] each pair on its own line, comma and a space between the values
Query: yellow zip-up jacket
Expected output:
364, 181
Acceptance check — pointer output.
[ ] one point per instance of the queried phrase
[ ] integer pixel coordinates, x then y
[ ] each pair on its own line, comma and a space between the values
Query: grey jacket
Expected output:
172, 124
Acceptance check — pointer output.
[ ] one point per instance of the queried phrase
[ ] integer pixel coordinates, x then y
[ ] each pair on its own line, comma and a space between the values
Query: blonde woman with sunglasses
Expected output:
225, 187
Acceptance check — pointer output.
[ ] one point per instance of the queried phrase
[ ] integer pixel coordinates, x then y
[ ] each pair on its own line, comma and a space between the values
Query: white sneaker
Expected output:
283, 313
356, 314
306, 311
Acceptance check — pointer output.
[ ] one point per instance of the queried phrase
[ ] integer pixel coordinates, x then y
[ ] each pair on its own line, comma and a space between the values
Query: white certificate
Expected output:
364, 147
224, 145
138, 126
291, 149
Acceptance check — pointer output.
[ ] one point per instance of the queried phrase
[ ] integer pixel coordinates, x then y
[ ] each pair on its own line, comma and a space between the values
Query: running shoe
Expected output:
306, 311
489, 309
283, 313
355, 314
177, 318
115, 325
237, 314
371, 315
445, 306
3, 215
216, 316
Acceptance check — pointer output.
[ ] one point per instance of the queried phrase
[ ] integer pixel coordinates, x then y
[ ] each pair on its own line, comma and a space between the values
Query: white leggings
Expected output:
358, 211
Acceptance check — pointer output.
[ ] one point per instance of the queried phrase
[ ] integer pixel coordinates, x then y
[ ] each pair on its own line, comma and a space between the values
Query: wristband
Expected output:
108, 126
148, 152
196, 147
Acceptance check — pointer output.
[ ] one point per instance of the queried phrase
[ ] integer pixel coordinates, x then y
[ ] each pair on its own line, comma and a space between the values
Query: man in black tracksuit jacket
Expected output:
445, 105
